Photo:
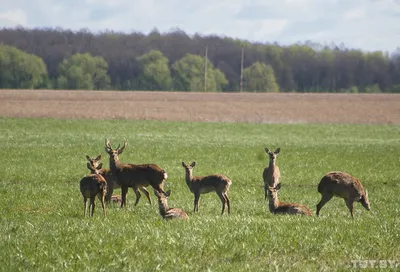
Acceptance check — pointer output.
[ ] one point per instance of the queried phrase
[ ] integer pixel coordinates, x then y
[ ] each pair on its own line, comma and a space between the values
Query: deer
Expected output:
165, 211
343, 185
111, 181
277, 207
205, 184
271, 173
134, 176
91, 186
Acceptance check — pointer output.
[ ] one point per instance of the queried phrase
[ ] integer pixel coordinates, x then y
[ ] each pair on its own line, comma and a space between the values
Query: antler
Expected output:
123, 147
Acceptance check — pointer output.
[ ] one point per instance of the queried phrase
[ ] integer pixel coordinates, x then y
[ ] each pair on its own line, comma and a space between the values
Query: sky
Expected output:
368, 25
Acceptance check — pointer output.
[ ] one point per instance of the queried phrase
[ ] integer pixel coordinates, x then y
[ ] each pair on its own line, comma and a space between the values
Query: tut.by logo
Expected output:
375, 263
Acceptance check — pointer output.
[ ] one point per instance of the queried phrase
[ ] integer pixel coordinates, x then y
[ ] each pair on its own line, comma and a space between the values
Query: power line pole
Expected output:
241, 71
205, 71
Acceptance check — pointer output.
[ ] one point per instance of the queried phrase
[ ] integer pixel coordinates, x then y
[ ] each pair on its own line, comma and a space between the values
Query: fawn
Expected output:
277, 207
202, 185
165, 211
345, 186
271, 173
134, 175
111, 181
91, 186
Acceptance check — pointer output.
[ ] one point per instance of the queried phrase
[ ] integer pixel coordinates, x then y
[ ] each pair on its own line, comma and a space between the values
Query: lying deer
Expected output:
91, 186
342, 185
277, 207
202, 185
134, 175
111, 181
271, 173
165, 211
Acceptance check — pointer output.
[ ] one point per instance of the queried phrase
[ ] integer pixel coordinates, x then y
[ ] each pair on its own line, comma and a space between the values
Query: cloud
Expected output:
365, 24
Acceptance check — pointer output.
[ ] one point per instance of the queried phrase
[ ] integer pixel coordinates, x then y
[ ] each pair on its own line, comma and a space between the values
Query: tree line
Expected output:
64, 59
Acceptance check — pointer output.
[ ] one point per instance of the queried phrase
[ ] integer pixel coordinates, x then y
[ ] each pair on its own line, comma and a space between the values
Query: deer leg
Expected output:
265, 192
228, 203
146, 193
84, 206
350, 205
110, 190
124, 191
223, 200
92, 203
324, 200
196, 202
135, 189
103, 206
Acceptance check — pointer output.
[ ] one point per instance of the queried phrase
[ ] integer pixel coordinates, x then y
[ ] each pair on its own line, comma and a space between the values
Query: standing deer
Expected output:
111, 181
271, 173
202, 185
165, 211
134, 175
345, 186
91, 186
277, 207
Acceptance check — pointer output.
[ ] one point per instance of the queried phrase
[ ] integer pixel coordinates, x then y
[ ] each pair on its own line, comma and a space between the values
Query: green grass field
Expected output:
42, 227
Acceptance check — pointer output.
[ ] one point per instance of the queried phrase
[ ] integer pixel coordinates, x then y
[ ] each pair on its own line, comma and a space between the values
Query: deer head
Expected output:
114, 153
94, 169
93, 161
365, 202
272, 155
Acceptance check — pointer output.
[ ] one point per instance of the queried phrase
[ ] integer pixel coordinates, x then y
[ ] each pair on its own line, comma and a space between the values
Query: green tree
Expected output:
154, 72
188, 75
260, 77
83, 71
21, 70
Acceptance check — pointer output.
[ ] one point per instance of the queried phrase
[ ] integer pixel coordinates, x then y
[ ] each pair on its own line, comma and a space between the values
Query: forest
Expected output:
57, 58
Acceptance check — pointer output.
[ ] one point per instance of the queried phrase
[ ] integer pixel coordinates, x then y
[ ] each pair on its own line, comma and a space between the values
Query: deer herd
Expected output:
102, 182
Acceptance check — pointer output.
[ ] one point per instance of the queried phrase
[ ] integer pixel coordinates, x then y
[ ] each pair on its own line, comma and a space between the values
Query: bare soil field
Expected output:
203, 107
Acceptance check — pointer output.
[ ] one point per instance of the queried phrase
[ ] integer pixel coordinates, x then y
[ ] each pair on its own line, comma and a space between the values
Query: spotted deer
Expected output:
134, 176
167, 212
91, 186
345, 186
211, 183
111, 181
277, 207
271, 173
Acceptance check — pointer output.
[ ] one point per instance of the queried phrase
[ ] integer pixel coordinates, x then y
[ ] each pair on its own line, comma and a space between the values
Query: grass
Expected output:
42, 227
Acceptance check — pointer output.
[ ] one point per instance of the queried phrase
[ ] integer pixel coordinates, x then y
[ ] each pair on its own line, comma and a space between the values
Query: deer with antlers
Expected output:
111, 181
134, 175
277, 207
345, 186
167, 212
271, 173
211, 183
91, 186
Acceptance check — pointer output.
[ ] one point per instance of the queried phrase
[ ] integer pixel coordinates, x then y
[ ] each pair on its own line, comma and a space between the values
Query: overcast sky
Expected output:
363, 24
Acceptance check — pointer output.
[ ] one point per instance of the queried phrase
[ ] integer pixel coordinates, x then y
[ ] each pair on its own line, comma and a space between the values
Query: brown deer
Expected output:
277, 207
134, 175
111, 181
345, 186
202, 185
271, 173
165, 211
91, 186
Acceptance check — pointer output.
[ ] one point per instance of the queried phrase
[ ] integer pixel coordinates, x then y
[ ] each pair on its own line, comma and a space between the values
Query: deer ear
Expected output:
183, 164
193, 164
168, 193
156, 193
98, 158
99, 166
267, 150
88, 158
89, 166
278, 186
277, 150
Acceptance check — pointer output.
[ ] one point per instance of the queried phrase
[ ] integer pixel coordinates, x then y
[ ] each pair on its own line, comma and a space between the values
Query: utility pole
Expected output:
241, 71
205, 71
